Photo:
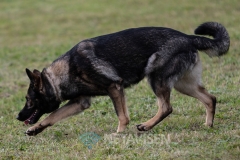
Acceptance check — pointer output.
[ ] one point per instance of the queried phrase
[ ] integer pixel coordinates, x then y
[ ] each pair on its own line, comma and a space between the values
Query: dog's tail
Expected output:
213, 47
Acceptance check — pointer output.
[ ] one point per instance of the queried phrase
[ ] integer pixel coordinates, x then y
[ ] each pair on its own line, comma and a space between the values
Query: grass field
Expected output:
33, 34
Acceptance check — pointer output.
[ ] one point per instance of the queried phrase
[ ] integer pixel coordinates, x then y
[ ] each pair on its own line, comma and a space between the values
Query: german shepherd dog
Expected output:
107, 64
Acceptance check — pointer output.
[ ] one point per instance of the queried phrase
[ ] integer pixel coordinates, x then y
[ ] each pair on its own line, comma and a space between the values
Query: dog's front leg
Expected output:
71, 108
116, 93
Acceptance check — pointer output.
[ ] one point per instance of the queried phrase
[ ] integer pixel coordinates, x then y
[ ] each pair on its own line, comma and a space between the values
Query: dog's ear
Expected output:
35, 78
37, 72
32, 76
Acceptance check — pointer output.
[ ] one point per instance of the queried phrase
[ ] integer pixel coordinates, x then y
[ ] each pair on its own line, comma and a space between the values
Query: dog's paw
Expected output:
142, 127
34, 131
30, 132
210, 125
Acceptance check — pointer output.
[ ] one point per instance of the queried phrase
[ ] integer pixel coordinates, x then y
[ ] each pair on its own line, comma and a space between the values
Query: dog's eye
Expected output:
27, 99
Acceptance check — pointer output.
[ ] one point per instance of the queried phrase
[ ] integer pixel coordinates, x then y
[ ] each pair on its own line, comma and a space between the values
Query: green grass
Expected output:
33, 34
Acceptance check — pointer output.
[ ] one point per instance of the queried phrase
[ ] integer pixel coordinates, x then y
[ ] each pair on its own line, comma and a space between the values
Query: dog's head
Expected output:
38, 99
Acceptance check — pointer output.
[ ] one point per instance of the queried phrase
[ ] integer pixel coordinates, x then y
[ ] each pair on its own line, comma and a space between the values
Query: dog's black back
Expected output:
129, 50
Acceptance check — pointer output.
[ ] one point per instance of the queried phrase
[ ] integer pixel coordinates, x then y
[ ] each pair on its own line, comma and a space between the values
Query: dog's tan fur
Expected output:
191, 85
116, 93
58, 69
73, 107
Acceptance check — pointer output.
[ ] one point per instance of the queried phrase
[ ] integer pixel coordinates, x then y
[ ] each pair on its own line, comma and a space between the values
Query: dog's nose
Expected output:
19, 117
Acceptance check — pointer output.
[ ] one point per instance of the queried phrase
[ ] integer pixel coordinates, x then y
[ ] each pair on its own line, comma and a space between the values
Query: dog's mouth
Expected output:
33, 118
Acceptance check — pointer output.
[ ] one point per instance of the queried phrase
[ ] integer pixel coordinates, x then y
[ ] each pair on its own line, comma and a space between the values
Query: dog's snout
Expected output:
19, 117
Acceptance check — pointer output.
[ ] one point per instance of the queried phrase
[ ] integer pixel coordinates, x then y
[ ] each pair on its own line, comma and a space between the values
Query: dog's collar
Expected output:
52, 83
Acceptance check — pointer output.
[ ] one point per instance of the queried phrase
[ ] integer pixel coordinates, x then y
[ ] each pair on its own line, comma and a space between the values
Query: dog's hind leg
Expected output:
163, 72
116, 93
73, 107
191, 85
164, 108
